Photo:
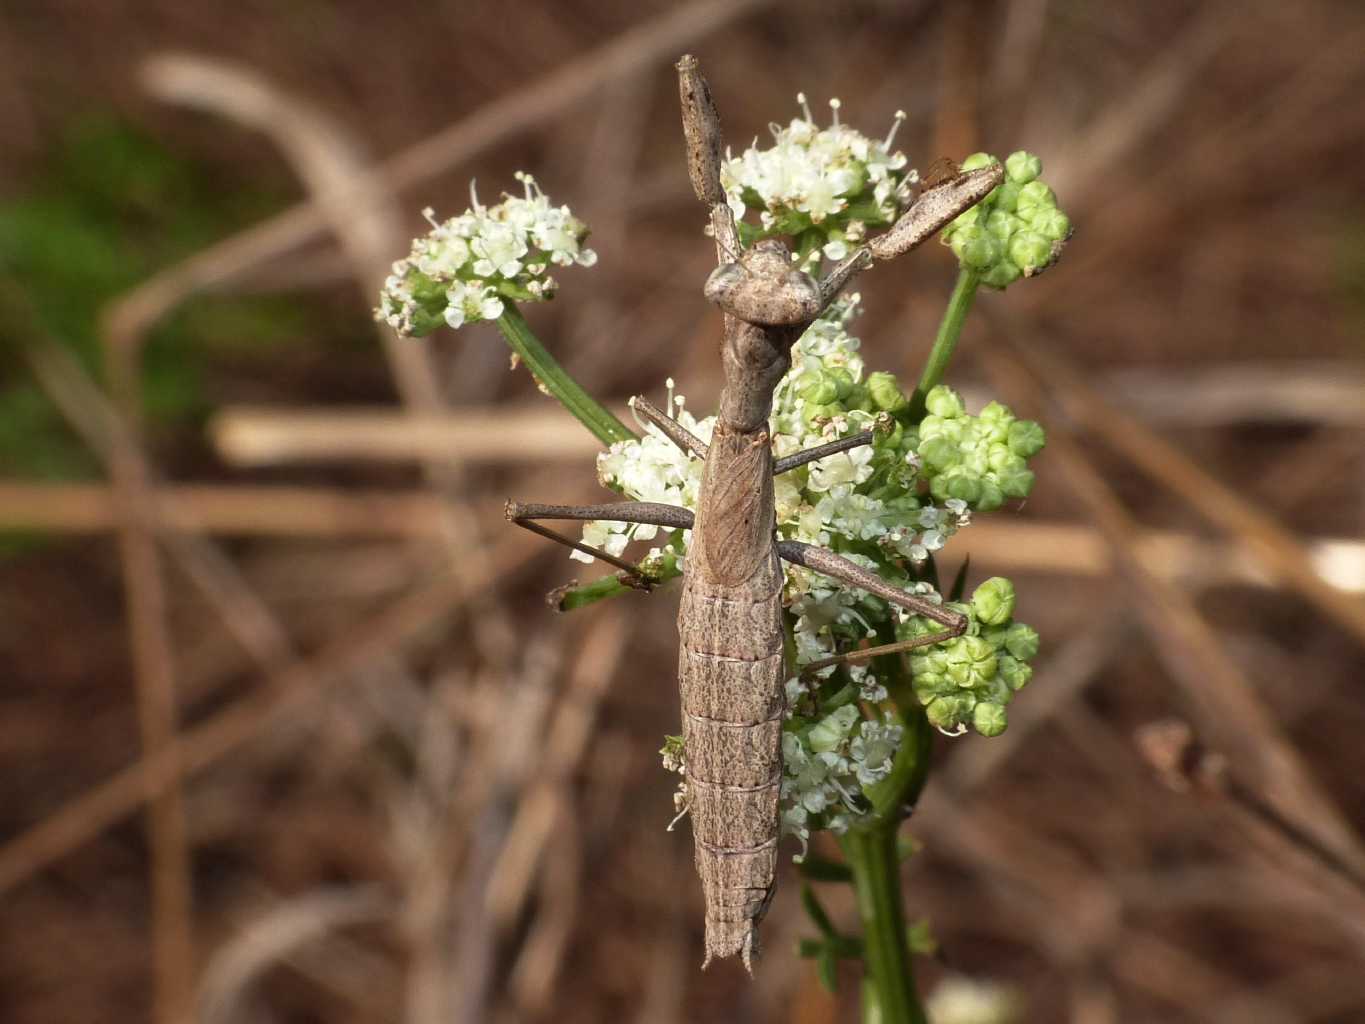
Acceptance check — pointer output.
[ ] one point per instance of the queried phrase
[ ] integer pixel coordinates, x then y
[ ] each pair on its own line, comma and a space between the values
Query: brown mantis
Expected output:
731, 666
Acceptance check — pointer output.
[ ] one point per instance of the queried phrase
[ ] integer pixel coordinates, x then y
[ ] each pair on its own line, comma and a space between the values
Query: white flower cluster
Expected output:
834, 179
826, 767
461, 271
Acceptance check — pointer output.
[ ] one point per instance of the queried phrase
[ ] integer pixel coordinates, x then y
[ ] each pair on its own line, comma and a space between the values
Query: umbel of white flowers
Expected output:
824, 187
461, 271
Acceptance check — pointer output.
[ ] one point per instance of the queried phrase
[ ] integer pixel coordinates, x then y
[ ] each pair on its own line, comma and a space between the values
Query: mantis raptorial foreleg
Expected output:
701, 131
646, 513
829, 564
931, 210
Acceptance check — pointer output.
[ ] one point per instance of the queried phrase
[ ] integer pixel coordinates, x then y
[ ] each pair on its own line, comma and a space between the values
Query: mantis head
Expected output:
763, 288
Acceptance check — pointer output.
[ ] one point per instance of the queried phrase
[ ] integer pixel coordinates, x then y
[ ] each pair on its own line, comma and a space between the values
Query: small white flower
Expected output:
853, 467
470, 303
836, 249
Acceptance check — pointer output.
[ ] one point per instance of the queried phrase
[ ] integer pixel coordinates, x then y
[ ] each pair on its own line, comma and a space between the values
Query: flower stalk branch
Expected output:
555, 380
949, 331
874, 858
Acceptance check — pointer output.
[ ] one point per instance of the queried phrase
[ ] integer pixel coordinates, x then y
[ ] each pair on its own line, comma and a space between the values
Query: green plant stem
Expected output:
949, 330
553, 378
873, 856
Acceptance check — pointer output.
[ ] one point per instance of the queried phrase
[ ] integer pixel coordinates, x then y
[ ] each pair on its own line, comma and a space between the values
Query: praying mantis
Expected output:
731, 664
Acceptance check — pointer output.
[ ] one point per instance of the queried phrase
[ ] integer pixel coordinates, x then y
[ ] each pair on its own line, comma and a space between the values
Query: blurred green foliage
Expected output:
112, 207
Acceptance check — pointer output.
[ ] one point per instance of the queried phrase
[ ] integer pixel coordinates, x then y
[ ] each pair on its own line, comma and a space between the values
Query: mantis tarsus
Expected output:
731, 666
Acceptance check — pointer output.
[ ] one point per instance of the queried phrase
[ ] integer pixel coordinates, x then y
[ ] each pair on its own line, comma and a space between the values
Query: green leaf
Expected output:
815, 911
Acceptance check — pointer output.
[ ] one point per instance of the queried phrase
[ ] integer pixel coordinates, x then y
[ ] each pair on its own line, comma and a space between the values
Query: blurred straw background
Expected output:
288, 732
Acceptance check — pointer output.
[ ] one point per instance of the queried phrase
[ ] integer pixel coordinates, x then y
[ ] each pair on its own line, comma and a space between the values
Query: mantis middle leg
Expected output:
829, 564
646, 513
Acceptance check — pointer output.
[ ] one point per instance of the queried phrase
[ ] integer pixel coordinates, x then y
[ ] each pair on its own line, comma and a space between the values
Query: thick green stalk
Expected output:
875, 860
949, 330
553, 378
874, 856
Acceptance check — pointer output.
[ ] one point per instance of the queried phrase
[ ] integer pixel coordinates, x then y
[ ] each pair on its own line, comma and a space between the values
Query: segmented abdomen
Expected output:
731, 676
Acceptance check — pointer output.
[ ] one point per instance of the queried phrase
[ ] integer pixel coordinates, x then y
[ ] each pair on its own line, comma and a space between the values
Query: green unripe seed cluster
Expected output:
1017, 231
981, 459
969, 680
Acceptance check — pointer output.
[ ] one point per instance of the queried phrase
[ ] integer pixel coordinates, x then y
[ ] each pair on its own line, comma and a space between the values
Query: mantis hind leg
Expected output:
648, 513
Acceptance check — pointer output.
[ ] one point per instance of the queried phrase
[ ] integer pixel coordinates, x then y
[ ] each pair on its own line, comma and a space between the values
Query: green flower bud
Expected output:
989, 719
1005, 198
925, 659
927, 665
931, 685
1016, 484
945, 402
819, 390
977, 160
886, 392
976, 247
859, 398
947, 713
842, 380
1014, 672
972, 217
812, 415
1052, 224
956, 483
1022, 641
1003, 462
939, 454
1002, 224
971, 662
1026, 438
993, 601
1030, 251
976, 460
996, 414
937, 426
1023, 167
995, 636
892, 440
992, 497
1001, 275
832, 730
1033, 196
